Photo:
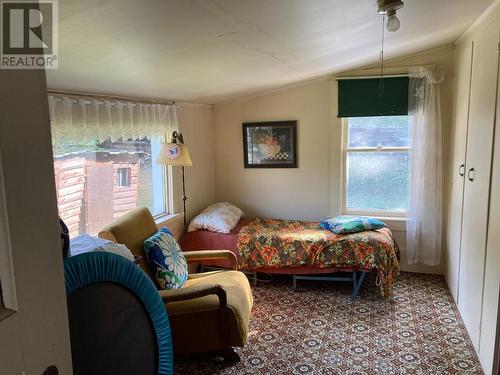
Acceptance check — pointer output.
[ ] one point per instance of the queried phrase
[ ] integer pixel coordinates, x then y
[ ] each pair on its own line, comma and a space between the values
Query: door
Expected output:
464, 69
34, 330
477, 178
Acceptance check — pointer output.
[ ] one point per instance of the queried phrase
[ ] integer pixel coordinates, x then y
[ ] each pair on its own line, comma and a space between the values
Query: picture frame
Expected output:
270, 144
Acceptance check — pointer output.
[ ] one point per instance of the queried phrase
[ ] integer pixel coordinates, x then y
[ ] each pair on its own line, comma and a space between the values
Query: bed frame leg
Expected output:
356, 284
294, 283
254, 279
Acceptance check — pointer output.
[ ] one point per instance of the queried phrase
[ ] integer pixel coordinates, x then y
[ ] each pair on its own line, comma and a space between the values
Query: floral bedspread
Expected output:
272, 243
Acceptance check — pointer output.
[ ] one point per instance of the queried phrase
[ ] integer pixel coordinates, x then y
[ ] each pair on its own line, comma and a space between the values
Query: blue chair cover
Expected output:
88, 268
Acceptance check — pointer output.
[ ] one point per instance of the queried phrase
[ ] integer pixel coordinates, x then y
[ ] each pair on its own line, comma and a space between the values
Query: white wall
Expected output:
302, 193
196, 125
312, 191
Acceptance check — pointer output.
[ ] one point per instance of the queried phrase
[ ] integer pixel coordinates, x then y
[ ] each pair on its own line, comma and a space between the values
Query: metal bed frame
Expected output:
356, 281
354, 278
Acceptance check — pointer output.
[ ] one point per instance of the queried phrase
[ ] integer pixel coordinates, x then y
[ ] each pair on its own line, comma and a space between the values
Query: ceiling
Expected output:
208, 51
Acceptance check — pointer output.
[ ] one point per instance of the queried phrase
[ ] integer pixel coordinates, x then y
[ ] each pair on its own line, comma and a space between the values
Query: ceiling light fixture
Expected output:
392, 21
388, 8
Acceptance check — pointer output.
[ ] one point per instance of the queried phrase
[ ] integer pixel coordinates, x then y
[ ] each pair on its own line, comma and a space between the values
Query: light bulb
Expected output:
393, 23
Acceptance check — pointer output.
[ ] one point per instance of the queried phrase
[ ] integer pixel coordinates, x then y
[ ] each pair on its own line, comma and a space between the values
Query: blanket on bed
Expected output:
272, 243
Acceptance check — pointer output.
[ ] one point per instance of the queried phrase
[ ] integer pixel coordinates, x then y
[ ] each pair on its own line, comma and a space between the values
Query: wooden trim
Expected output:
5, 313
377, 149
8, 288
371, 76
2, 306
496, 358
86, 95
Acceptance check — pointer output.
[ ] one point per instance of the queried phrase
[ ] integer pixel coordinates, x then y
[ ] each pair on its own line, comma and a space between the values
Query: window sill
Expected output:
164, 219
396, 224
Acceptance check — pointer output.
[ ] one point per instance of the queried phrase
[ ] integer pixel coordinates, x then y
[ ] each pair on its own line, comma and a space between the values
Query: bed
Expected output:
302, 249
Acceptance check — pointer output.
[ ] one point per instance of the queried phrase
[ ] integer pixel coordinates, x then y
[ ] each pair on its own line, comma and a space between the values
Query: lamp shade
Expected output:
176, 154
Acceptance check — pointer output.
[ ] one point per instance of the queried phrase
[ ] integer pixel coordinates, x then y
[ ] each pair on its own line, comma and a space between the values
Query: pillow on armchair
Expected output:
165, 258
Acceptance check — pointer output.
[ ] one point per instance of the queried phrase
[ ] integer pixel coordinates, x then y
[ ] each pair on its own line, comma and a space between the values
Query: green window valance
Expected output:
361, 97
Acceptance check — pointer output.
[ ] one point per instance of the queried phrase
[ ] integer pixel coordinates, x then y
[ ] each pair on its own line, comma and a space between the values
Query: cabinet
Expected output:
477, 172
470, 224
490, 318
461, 119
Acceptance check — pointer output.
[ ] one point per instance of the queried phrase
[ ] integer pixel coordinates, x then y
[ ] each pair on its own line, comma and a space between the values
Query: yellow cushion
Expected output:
235, 284
197, 320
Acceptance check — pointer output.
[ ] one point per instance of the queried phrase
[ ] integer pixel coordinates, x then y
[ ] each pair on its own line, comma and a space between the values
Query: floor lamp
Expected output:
176, 154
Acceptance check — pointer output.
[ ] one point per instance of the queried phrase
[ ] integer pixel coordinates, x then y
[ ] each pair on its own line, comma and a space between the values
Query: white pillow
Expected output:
218, 217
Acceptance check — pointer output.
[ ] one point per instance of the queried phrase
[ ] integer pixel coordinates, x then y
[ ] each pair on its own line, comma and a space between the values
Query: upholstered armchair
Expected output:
211, 312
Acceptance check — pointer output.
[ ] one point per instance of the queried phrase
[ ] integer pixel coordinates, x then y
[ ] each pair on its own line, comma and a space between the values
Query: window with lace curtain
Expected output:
104, 159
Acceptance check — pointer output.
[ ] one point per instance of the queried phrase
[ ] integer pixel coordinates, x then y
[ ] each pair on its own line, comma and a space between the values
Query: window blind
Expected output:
361, 97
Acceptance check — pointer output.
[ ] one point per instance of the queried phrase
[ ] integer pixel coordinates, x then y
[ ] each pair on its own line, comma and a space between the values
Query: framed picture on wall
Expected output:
271, 144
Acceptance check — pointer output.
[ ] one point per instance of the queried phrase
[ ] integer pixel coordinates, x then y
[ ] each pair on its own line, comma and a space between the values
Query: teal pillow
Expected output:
351, 224
166, 260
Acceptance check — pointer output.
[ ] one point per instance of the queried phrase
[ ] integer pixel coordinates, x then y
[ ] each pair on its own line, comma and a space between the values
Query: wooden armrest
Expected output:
195, 291
192, 256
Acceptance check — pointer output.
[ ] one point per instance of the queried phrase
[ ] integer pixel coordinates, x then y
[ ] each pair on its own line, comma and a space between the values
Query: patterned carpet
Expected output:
320, 330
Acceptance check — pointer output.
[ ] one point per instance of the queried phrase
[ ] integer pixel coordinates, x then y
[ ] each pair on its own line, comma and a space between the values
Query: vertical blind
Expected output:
373, 97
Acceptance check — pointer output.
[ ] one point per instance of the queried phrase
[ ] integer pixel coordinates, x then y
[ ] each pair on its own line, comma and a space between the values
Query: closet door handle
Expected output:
469, 174
461, 170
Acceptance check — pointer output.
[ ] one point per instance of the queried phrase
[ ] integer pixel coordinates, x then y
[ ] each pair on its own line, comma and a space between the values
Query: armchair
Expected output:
211, 312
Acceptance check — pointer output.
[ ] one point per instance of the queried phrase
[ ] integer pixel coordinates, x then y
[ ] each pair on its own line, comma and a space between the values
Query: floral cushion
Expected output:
166, 260
351, 224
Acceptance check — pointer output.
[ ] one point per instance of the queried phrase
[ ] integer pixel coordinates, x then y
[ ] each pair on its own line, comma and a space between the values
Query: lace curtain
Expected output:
83, 121
424, 223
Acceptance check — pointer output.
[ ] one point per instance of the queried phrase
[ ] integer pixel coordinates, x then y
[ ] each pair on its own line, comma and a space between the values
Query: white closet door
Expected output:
464, 68
477, 178
489, 326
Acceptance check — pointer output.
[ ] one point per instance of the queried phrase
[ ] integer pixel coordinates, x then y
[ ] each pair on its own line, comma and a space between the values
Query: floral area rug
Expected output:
320, 330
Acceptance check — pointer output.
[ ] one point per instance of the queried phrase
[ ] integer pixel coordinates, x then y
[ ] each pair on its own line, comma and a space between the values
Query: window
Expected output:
97, 182
123, 177
376, 165
104, 153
